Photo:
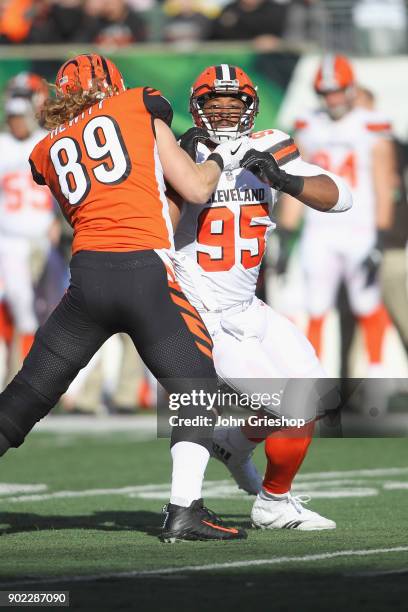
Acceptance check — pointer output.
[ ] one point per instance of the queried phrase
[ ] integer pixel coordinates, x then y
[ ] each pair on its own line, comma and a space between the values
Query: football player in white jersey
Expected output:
27, 220
355, 143
220, 247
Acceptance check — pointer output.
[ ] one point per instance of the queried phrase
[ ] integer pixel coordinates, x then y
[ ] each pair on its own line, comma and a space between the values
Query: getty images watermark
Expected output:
267, 403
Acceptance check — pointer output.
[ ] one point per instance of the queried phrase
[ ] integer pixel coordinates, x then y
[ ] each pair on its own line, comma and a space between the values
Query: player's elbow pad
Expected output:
345, 199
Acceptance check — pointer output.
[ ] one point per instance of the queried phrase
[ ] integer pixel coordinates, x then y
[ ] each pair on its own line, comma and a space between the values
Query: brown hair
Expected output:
58, 110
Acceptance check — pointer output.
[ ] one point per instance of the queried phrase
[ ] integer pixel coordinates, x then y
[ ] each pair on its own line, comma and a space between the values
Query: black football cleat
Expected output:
195, 523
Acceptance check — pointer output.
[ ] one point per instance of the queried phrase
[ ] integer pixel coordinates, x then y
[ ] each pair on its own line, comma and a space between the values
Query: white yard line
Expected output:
204, 568
82, 424
370, 473
320, 485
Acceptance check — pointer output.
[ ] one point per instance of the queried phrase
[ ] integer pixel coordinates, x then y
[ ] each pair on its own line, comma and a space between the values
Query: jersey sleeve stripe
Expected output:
300, 124
37, 177
284, 151
379, 127
287, 151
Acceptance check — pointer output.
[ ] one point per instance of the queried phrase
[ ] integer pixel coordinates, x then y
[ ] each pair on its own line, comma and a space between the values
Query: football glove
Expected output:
229, 154
190, 139
265, 167
372, 262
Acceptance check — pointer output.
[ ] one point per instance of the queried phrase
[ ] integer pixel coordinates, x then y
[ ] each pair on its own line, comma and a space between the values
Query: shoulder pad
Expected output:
279, 144
157, 105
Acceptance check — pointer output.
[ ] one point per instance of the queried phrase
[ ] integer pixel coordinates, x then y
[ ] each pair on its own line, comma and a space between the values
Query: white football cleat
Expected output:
287, 512
238, 461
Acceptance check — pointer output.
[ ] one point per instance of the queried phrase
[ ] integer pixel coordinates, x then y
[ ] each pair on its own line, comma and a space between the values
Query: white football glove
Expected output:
228, 154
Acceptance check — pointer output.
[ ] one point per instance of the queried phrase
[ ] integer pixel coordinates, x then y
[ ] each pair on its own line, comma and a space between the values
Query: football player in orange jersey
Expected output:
105, 160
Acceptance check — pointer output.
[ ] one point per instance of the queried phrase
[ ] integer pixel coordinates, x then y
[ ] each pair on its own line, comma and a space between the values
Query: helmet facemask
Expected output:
241, 120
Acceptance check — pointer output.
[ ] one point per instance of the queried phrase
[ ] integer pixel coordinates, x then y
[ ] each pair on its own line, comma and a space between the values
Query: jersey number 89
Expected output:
102, 141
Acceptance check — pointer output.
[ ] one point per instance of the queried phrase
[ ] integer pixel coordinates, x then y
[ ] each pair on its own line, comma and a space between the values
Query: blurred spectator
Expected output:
111, 23
187, 21
60, 24
381, 25
142, 5
92, 21
17, 18
305, 19
262, 21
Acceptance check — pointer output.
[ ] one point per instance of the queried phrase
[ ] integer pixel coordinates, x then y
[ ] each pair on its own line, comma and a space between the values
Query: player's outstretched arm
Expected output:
195, 182
309, 184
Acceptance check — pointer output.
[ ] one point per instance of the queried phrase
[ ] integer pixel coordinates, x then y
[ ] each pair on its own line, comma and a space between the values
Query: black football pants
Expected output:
111, 293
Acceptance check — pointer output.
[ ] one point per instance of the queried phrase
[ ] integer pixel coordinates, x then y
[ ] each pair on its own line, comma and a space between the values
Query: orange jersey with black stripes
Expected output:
104, 170
225, 238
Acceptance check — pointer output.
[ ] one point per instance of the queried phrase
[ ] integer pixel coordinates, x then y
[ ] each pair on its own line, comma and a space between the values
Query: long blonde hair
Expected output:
60, 109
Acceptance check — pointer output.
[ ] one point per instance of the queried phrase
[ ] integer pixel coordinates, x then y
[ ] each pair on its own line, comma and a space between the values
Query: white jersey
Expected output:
26, 209
345, 148
225, 238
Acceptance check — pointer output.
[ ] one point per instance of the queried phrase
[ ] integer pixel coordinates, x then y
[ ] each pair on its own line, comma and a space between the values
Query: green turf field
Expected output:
81, 512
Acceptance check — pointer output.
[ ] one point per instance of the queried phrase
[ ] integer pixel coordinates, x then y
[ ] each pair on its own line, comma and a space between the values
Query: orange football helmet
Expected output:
335, 72
87, 71
224, 80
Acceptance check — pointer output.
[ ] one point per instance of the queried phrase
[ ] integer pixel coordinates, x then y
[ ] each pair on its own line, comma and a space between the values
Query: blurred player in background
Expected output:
28, 223
355, 143
220, 248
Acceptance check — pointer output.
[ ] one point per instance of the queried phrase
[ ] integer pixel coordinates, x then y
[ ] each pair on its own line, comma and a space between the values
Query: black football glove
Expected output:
190, 139
371, 264
265, 167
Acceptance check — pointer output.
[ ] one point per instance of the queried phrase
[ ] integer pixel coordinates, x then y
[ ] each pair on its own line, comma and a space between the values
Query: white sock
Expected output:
267, 496
189, 463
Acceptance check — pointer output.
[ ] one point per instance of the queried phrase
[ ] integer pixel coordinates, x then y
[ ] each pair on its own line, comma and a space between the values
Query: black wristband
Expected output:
293, 185
218, 160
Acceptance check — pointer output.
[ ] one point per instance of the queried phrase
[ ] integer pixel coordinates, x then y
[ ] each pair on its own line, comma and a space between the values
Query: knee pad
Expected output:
21, 407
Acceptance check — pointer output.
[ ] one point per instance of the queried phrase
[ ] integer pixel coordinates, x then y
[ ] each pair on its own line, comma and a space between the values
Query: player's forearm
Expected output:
193, 182
326, 193
209, 175
319, 192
